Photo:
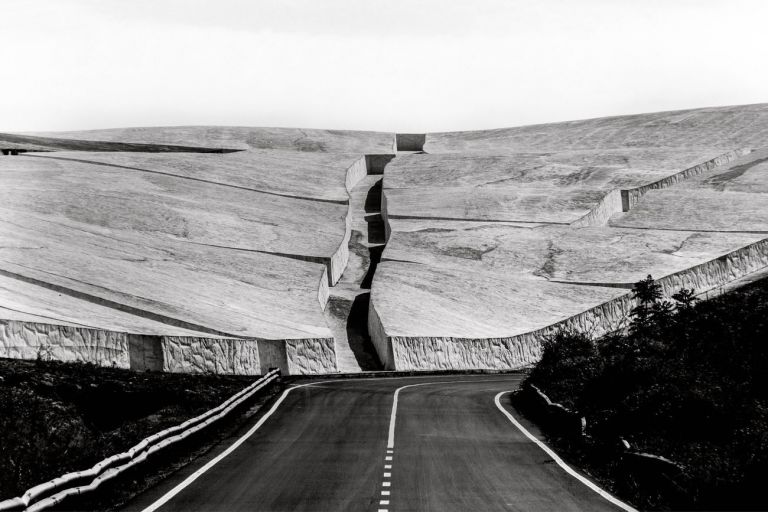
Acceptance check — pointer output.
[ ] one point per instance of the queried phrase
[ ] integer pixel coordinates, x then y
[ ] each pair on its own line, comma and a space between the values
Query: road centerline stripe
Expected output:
393, 422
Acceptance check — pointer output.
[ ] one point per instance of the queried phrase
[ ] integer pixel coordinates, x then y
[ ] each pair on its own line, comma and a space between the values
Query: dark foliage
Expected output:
687, 380
60, 417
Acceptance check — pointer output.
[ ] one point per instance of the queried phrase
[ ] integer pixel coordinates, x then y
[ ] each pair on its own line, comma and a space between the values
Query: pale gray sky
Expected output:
400, 65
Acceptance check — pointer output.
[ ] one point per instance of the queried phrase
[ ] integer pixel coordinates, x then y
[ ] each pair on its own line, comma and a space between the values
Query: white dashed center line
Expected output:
386, 483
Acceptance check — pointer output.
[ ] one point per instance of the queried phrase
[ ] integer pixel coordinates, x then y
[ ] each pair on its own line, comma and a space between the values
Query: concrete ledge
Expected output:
514, 352
609, 205
183, 354
632, 196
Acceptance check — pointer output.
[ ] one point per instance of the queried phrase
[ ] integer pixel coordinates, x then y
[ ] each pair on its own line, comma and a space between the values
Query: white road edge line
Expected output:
194, 476
393, 416
560, 461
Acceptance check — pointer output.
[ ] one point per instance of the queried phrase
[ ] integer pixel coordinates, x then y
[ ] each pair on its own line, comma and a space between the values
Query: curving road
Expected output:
339, 445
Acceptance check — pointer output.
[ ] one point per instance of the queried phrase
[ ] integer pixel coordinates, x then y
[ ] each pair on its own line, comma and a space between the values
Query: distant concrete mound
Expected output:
234, 250
192, 249
499, 237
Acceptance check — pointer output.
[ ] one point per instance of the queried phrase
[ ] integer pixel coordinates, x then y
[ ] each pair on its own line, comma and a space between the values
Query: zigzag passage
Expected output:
350, 251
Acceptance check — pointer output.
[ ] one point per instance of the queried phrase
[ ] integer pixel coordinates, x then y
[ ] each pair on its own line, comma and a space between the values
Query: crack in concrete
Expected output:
101, 301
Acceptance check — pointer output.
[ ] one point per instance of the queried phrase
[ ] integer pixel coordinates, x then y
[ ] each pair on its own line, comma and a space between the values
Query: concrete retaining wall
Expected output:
609, 205
720, 271
186, 354
248, 356
30, 340
177, 354
311, 356
514, 352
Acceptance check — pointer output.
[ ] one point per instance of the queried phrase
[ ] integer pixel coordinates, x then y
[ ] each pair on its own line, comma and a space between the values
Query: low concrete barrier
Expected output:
57, 490
175, 354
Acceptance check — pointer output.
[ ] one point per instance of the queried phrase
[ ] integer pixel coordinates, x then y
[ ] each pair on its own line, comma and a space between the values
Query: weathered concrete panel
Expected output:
146, 353
210, 355
311, 356
30, 340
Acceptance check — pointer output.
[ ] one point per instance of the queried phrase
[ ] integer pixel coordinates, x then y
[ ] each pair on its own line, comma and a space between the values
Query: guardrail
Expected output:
39, 497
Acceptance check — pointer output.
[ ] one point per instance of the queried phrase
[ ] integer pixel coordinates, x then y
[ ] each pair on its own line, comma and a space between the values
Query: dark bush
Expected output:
58, 417
687, 381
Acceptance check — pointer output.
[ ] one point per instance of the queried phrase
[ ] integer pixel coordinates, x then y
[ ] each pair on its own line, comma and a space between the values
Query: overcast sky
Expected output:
378, 65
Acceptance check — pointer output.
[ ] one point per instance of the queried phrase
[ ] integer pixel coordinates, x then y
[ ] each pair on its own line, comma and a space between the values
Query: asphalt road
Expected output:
325, 447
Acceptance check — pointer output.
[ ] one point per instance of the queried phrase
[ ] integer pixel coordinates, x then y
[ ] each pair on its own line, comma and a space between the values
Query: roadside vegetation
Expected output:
60, 417
687, 381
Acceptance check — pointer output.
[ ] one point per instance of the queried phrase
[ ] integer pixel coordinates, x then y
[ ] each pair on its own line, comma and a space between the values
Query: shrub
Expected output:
687, 380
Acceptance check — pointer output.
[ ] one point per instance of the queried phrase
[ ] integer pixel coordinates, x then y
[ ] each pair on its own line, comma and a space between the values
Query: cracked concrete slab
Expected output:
235, 249
498, 237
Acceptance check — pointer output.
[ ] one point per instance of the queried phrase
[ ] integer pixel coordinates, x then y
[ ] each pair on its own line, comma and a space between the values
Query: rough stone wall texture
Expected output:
186, 354
272, 355
30, 340
311, 356
720, 271
420, 353
423, 353
462, 353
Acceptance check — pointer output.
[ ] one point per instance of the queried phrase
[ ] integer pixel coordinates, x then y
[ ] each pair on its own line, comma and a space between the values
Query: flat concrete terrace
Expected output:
733, 197
499, 237
293, 174
180, 260
726, 128
557, 187
193, 212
